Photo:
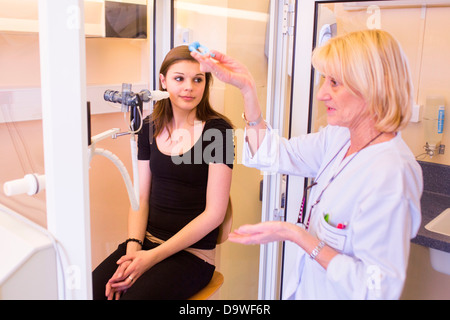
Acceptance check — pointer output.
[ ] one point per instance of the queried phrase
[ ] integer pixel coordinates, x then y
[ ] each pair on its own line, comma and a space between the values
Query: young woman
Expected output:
186, 155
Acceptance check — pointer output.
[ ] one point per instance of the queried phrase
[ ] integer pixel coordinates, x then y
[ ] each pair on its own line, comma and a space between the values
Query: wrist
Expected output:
248, 91
295, 234
134, 244
134, 240
252, 123
315, 252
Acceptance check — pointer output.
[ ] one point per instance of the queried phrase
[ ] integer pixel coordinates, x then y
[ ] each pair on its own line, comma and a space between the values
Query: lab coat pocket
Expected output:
333, 237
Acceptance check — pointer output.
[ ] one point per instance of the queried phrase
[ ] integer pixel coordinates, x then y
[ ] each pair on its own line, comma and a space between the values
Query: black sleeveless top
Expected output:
178, 186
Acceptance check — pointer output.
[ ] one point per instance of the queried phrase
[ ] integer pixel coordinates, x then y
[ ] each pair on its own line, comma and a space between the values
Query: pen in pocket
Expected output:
342, 225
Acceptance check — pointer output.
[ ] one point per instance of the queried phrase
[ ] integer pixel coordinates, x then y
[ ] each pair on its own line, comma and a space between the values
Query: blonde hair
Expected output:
372, 65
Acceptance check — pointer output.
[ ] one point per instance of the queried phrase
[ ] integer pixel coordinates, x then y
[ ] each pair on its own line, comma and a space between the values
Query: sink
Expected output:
440, 224
440, 260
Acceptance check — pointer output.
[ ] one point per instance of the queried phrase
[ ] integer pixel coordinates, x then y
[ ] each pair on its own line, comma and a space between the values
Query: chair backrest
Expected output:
225, 227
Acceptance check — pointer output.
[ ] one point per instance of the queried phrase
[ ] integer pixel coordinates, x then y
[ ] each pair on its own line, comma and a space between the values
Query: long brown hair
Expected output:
162, 112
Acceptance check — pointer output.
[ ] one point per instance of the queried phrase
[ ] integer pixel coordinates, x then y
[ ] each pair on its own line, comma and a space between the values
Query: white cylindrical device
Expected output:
30, 184
156, 95
159, 95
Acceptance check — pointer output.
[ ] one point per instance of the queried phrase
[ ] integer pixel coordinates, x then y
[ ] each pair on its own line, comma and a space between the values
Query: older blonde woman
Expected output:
364, 204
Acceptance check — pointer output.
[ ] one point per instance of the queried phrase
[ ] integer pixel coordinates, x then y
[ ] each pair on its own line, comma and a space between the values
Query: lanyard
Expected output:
300, 214
300, 219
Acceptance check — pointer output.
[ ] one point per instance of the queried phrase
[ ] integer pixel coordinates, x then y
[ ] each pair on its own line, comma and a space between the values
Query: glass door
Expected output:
254, 33
239, 29
279, 94
20, 109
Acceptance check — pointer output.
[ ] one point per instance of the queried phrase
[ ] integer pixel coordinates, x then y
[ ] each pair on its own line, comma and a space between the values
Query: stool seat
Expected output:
214, 285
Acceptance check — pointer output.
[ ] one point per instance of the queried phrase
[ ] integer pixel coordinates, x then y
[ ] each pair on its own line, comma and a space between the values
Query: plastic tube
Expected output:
134, 161
126, 177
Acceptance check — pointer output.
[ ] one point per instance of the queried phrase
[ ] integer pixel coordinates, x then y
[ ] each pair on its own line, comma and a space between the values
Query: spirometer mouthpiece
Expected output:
147, 95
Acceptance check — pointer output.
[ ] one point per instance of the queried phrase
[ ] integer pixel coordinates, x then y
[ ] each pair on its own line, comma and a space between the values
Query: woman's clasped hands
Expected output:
131, 267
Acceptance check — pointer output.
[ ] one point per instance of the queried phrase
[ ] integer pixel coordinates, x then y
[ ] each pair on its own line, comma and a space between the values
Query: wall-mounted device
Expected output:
433, 121
110, 19
125, 20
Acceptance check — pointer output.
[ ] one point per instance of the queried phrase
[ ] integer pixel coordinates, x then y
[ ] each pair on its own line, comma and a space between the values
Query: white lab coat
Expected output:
377, 195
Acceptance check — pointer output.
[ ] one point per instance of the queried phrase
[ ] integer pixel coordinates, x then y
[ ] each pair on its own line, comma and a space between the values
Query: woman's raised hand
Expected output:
226, 69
